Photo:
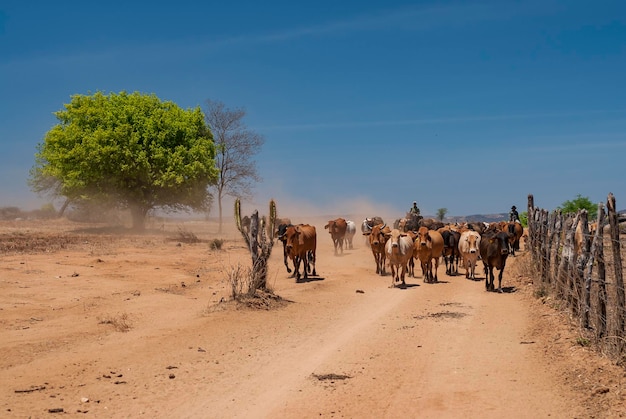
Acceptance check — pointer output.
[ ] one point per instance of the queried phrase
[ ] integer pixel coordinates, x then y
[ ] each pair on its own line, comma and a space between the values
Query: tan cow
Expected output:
399, 250
428, 247
378, 236
469, 247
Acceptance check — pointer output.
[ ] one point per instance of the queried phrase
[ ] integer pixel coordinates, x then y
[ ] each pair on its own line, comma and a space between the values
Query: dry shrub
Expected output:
186, 236
216, 244
120, 322
239, 278
245, 290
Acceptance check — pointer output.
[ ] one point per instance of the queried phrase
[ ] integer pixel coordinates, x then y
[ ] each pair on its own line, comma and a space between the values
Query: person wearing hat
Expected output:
414, 209
513, 215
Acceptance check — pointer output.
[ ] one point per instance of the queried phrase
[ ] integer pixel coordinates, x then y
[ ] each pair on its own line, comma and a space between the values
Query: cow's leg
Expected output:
404, 268
436, 268
285, 260
296, 268
383, 259
486, 276
377, 260
500, 279
491, 278
310, 257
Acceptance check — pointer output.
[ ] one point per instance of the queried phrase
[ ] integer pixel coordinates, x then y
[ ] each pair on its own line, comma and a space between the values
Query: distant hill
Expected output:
485, 218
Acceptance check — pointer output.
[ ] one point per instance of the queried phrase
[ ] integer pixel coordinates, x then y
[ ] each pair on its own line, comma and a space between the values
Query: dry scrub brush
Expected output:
244, 282
120, 322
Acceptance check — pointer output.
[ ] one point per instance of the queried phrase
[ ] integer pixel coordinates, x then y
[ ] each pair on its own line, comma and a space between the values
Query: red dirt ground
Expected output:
101, 323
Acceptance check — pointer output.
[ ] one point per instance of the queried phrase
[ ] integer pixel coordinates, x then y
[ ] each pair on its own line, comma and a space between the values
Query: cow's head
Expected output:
377, 235
503, 239
394, 237
423, 236
473, 241
280, 232
292, 237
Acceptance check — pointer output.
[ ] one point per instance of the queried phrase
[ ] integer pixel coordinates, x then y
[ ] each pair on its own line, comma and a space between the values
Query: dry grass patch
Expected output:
120, 322
184, 236
26, 242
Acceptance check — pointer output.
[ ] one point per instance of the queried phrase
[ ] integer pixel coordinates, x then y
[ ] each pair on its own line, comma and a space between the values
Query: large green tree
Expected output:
128, 149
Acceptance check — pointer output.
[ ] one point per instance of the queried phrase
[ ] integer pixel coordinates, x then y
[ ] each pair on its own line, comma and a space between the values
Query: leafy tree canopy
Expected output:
579, 203
523, 218
131, 149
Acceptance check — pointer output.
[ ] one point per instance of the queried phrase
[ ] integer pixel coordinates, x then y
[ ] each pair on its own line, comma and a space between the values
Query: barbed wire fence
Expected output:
580, 265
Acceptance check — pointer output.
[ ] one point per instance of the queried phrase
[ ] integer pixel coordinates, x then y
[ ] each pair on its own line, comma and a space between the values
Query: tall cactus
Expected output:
259, 243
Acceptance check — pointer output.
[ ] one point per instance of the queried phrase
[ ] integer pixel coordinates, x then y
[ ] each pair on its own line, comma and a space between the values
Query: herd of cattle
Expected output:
427, 241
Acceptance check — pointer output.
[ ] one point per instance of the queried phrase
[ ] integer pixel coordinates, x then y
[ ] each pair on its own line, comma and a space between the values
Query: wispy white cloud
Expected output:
440, 120
410, 18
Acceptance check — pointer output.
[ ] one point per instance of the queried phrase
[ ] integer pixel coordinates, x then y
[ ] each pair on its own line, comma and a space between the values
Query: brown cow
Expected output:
377, 238
494, 249
516, 229
337, 229
513, 228
301, 243
428, 247
451, 254
280, 235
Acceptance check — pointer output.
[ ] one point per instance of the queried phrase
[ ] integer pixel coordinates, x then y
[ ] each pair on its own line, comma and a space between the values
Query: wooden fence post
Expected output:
597, 252
617, 265
556, 238
543, 246
581, 261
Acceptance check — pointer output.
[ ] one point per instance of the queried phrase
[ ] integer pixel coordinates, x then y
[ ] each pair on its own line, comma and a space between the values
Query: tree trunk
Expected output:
64, 207
138, 214
219, 205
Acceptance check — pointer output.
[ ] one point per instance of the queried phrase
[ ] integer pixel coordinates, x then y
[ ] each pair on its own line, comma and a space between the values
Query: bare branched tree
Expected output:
236, 146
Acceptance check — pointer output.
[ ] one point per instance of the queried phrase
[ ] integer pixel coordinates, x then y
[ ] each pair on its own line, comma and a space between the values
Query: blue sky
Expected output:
364, 106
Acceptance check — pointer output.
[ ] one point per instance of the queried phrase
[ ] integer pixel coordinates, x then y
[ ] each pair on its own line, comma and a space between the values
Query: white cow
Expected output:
350, 232
468, 246
399, 250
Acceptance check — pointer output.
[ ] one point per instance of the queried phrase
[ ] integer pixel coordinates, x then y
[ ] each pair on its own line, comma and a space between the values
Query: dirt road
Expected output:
132, 326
